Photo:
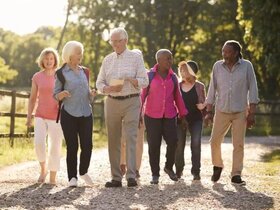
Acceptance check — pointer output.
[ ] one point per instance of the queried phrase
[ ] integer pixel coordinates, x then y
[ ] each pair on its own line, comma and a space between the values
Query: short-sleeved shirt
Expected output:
47, 106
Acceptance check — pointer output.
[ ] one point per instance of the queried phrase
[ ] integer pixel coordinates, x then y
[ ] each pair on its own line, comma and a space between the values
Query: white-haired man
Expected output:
121, 77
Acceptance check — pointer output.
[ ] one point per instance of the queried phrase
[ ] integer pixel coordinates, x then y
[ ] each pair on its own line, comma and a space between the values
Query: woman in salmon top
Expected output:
45, 115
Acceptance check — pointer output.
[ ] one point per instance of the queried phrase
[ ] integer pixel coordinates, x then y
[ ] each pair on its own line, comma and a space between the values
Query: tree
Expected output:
260, 19
6, 73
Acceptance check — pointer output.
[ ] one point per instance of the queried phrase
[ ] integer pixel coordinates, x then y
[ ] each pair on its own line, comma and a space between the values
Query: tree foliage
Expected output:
260, 20
6, 73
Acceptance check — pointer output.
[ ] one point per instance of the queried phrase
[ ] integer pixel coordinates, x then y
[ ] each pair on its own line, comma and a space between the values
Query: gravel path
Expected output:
19, 191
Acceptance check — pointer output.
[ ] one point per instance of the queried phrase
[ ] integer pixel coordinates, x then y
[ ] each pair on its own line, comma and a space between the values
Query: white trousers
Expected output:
48, 128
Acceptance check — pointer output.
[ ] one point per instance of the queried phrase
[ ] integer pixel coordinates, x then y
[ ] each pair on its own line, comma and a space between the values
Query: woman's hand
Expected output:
63, 94
201, 106
93, 93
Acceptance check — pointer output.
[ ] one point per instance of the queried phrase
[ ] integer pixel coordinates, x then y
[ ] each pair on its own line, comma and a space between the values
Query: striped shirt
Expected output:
128, 64
232, 90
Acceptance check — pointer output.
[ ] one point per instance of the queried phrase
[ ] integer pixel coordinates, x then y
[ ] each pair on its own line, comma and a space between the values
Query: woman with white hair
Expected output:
45, 115
76, 112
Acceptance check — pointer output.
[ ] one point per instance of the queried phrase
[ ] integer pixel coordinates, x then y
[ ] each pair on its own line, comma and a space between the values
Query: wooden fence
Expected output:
13, 115
265, 108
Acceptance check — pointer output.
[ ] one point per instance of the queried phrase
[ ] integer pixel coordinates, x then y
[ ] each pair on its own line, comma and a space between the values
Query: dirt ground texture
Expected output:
18, 188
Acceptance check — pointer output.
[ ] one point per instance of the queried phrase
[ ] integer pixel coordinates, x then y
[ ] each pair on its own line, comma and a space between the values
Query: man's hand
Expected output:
250, 120
208, 119
183, 122
112, 89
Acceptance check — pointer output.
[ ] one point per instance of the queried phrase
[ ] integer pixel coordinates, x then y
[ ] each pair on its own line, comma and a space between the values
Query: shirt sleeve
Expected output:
57, 87
101, 78
252, 82
141, 73
210, 99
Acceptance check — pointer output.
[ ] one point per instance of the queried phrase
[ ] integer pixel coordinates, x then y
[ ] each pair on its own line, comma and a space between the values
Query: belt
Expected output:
124, 97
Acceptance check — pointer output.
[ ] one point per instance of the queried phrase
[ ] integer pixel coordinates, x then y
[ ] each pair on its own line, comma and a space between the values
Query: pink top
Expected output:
161, 102
47, 106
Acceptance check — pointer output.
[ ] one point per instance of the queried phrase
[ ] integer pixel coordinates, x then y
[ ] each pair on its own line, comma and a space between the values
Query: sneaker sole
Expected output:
238, 184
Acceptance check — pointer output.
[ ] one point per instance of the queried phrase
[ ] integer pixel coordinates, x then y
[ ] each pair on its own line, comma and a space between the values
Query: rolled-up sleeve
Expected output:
101, 79
210, 99
253, 88
141, 74
57, 87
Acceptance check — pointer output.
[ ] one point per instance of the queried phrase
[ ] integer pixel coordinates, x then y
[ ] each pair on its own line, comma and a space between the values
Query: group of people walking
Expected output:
157, 101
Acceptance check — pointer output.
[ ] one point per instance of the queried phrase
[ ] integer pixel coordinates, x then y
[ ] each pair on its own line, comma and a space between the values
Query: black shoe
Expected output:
137, 174
113, 183
216, 173
196, 177
236, 180
179, 174
171, 174
154, 180
131, 182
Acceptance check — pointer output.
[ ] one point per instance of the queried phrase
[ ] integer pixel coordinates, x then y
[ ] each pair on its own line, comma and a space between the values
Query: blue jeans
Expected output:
195, 129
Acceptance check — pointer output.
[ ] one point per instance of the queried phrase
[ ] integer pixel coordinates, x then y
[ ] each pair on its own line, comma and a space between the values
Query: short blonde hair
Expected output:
68, 50
189, 69
44, 53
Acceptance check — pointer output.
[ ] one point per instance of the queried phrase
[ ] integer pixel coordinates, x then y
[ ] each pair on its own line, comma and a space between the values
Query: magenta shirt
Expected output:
47, 106
160, 102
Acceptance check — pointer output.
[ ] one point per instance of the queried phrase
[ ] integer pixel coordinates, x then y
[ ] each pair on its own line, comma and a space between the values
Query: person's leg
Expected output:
195, 131
170, 136
69, 126
85, 134
54, 148
139, 146
123, 152
154, 136
130, 121
179, 154
40, 133
238, 138
113, 120
221, 125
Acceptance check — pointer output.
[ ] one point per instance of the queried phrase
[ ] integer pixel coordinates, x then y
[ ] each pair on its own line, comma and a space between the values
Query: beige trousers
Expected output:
222, 123
139, 147
118, 114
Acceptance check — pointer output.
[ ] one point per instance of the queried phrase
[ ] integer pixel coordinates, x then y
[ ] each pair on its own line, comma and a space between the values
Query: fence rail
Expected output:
13, 115
265, 108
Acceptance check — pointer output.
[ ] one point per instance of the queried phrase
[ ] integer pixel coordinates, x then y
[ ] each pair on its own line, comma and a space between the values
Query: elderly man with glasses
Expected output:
121, 77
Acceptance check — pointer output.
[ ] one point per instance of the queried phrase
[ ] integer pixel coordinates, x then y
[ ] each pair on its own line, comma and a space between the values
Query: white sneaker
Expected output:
87, 179
73, 182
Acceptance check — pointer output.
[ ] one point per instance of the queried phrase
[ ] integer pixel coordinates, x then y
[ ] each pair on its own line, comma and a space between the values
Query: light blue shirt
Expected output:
78, 105
232, 90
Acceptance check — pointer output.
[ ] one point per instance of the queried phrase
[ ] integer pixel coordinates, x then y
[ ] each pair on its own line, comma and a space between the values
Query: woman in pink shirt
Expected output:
163, 101
45, 116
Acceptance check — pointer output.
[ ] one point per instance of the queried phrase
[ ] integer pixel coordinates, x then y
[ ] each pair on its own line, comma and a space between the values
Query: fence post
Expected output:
12, 122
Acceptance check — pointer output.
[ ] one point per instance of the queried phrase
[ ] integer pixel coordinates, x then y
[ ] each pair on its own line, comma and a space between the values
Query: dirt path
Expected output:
19, 191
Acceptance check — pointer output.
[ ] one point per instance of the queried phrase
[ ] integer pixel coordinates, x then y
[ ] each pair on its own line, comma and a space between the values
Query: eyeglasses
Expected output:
115, 41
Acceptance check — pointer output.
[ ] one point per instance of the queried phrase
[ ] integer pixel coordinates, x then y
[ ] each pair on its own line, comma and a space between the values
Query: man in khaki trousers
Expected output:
233, 90
121, 77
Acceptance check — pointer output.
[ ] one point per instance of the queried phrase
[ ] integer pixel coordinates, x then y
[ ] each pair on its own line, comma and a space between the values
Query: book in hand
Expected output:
114, 82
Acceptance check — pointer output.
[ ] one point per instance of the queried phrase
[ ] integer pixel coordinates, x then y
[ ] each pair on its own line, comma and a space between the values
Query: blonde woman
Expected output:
45, 115
193, 93
76, 112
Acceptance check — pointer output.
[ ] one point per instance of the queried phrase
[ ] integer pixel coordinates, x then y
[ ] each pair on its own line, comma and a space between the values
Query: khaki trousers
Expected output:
139, 147
222, 123
118, 114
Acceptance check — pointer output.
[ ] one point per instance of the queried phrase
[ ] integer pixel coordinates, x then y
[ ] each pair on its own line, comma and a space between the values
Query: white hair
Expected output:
162, 51
69, 48
120, 31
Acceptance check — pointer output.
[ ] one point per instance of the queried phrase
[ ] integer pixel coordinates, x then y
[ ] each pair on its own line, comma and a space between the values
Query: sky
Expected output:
25, 16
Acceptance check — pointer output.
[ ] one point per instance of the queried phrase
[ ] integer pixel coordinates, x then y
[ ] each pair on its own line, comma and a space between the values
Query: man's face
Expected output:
229, 54
118, 43
165, 61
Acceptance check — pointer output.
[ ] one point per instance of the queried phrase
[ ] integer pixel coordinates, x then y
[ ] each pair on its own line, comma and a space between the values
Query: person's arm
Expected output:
141, 80
31, 103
